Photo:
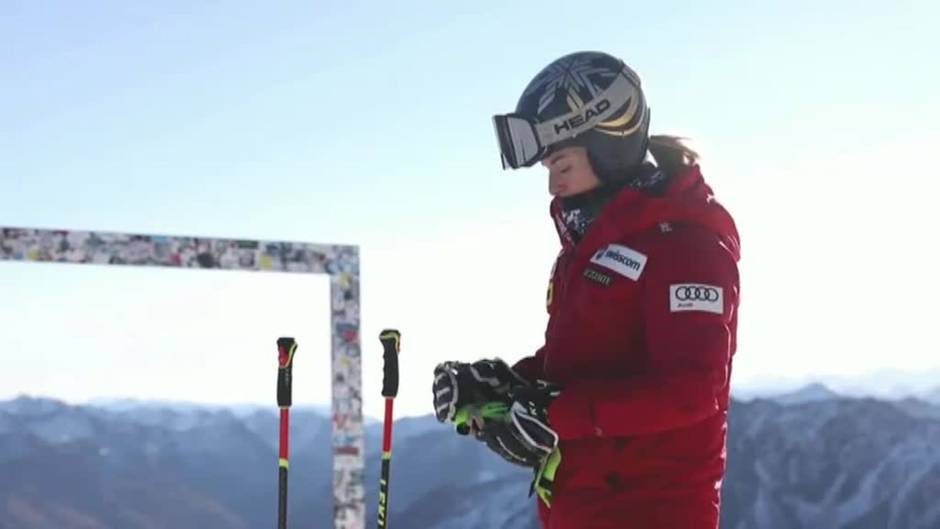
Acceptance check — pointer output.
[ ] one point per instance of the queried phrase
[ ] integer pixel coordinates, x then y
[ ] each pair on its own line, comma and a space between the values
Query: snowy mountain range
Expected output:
832, 463
809, 459
887, 384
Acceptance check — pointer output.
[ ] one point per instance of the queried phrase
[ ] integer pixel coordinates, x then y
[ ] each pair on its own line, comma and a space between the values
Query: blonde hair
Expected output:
671, 153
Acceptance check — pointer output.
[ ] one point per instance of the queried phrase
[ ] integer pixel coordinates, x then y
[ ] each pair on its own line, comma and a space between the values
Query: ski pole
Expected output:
391, 343
285, 361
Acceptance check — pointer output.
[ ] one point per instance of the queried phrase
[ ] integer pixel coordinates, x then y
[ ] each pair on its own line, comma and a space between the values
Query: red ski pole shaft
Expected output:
286, 347
391, 343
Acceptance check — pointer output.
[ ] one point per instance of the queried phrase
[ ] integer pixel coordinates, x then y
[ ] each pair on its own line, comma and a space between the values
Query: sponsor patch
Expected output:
696, 297
598, 277
621, 259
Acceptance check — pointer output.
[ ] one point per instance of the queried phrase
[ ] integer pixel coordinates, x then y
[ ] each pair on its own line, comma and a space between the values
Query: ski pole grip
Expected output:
286, 347
391, 343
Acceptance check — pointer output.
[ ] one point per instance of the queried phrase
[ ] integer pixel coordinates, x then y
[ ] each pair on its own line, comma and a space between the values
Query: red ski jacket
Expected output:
642, 328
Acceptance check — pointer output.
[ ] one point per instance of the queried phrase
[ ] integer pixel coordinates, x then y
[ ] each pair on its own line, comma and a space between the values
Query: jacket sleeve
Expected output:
690, 298
530, 367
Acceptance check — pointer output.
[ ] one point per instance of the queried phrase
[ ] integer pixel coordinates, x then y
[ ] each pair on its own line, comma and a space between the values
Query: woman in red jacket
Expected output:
623, 411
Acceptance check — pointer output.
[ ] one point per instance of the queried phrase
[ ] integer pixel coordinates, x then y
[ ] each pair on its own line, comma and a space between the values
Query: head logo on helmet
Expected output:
575, 93
572, 123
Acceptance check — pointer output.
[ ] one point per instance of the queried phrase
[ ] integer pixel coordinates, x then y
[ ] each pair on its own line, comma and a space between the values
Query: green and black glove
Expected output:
468, 395
524, 436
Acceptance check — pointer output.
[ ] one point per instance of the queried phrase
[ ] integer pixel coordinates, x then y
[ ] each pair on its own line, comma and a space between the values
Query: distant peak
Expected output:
29, 405
813, 392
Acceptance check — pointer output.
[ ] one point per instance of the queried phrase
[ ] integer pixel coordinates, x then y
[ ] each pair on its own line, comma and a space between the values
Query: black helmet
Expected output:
589, 99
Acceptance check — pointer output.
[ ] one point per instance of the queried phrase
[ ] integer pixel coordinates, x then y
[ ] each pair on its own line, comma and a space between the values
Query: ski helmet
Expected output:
588, 99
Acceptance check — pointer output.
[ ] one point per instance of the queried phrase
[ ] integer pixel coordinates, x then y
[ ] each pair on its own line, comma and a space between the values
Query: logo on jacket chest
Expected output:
696, 297
621, 259
598, 277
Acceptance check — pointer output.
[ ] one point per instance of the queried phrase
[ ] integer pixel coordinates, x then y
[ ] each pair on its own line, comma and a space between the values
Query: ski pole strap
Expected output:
391, 343
286, 347
545, 476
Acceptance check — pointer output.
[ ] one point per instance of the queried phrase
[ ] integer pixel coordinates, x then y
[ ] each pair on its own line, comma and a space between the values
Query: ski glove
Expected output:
458, 385
524, 437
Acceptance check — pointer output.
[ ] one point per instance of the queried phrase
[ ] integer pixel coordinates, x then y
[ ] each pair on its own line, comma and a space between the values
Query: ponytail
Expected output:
671, 153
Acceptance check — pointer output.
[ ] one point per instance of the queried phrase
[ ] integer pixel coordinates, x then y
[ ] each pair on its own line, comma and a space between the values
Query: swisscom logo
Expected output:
621, 259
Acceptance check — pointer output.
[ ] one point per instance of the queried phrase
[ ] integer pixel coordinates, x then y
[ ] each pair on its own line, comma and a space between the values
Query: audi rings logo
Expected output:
686, 297
697, 293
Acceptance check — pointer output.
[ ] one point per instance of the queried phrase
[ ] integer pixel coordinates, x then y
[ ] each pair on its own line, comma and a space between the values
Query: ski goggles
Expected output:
524, 141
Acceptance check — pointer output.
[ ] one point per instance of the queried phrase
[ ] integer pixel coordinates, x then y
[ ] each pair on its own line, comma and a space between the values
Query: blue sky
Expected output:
370, 125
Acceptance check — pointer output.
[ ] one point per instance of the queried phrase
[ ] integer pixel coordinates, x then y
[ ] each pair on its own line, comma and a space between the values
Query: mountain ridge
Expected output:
831, 461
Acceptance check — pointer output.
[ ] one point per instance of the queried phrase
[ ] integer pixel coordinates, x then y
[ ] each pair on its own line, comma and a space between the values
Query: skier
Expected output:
622, 413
